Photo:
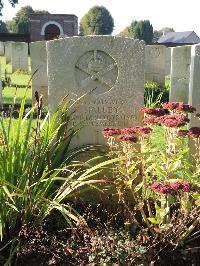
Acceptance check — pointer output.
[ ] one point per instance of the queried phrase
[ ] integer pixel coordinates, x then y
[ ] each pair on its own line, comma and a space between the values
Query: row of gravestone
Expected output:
15, 53
111, 72
156, 66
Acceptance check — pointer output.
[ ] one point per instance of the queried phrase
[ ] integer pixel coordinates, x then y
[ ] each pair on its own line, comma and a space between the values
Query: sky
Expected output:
182, 15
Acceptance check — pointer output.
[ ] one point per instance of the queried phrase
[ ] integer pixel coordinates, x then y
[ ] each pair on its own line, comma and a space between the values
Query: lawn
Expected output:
19, 81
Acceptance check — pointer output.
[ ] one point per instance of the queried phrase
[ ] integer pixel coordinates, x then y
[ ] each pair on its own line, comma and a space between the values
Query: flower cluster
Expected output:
154, 111
161, 188
129, 138
136, 129
179, 107
181, 186
174, 120
109, 132
182, 133
194, 132
150, 120
175, 187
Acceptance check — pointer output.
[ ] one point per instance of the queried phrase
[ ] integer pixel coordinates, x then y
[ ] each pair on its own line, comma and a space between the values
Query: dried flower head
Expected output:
153, 111
136, 129
109, 132
183, 133
150, 120
194, 132
174, 120
179, 107
181, 186
162, 188
129, 138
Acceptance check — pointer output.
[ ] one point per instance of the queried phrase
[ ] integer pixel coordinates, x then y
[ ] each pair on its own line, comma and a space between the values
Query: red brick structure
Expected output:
51, 26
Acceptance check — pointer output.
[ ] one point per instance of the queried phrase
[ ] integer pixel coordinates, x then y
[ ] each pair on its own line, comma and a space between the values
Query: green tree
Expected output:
21, 20
98, 21
142, 30
12, 2
3, 28
20, 23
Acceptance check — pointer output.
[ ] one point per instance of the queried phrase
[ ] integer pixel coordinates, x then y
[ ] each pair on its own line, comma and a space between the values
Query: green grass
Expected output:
20, 78
10, 92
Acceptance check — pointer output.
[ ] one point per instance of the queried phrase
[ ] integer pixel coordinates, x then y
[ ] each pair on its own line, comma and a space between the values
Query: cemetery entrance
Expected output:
51, 32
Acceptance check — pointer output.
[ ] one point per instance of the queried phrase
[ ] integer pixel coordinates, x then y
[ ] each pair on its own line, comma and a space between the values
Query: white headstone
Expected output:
39, 69
2, 48
155, 63
194, 88
110, 70
8, 51
19, 58
180, 71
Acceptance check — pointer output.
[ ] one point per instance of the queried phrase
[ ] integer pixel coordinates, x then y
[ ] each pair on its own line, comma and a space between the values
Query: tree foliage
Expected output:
12, 2
3, 28
158, 33
98, 21
142, 30
20, 23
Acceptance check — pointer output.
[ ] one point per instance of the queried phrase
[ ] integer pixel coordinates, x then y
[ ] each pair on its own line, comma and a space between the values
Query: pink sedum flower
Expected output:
181, 186
109, 132
174, 120
194, 132
153, 111
128, 138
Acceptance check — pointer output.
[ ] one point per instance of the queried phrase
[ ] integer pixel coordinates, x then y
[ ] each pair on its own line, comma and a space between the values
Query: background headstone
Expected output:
19, 58
109, 70
8, 51
194, 88
2, 48
39, 69
155, 63
180, 71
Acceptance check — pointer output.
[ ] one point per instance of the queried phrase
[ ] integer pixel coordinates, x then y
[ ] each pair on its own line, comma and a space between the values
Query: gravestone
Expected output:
155, 63
180, 71
8, 51
108, 70
19, 56
2, 48
39, 69
167, 61
194, 88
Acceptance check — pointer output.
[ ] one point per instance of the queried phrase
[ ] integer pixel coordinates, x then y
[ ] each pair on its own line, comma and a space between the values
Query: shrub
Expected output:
154, 94
154, 184
37, 169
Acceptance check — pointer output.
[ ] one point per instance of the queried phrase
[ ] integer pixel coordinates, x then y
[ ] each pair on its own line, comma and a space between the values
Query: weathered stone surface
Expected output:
194, 88
180, 71
155, 63
19, 56
8, 51
39, 69
109, 70
2, 48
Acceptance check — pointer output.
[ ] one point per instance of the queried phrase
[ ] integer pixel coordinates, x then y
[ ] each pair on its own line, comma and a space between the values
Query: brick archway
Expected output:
51, 32
51, 29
